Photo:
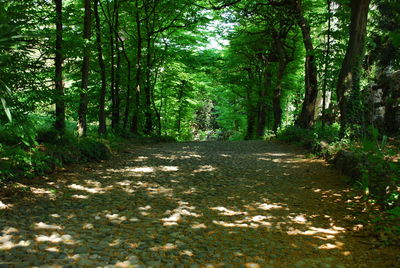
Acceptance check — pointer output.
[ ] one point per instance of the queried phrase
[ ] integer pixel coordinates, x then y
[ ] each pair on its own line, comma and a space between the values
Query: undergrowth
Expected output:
35, 148
28, 150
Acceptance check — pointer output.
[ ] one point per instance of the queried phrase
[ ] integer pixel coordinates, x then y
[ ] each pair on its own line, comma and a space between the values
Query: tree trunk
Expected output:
82, 124
349, 75
157, 111
128, 93
117, 101
135, 116
262, 106
147, 89
326, 69
180, 108
102, 115
276, 102
112, 63
250, 108
59, 88
306, 118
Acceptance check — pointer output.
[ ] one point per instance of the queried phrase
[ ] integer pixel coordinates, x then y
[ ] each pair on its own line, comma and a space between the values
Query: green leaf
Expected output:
6, 109
395, 37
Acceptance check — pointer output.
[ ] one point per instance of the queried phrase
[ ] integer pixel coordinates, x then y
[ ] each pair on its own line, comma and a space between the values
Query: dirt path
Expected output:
211, 204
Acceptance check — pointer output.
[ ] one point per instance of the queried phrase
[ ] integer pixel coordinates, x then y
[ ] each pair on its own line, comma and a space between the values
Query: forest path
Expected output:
208, 204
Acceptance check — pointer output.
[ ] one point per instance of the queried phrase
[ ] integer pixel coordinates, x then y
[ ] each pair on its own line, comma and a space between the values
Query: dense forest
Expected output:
326, 74
199, 133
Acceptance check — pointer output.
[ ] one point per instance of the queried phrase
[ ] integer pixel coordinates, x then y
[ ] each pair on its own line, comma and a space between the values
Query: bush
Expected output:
21, 155
93, 150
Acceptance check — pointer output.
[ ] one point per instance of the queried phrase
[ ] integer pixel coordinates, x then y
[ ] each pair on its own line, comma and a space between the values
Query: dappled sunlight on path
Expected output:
211, 204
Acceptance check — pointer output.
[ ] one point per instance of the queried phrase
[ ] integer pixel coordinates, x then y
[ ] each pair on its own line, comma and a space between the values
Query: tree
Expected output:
60, 104
102, 96
349, 76
82, 112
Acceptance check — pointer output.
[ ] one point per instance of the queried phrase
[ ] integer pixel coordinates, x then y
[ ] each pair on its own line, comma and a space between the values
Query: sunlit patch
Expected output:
172, 220
41, 191
93, 183
166, 247
55, 215
145, 207
5, 206
159, 190
134, 219
259, 218
124, 183
358, 227
6, 243
67, 239
252, 265
238, 254
115, 242
225, 155
346, 253
169, 168
53, 238
231, 224
142, 169
163, 157
53, 249
298, 219
265, 206
191, 155
227, 212
176, 216
337, 245
86, 189
88, 226
204, 168
79, 196
191, 190
187, 253
116, 217
199, 226
9, 230
317, 231
42, 225
141, 159
326, 237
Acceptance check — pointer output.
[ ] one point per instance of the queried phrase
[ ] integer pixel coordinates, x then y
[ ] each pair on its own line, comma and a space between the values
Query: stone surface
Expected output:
212, 204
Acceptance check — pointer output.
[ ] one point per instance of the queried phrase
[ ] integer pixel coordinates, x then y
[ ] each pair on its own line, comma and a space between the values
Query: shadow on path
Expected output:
221, 204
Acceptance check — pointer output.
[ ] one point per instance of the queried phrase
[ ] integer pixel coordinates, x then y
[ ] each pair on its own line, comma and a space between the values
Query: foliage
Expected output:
29, 150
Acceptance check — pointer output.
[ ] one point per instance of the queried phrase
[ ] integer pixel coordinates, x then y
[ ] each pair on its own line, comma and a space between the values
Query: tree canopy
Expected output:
196, 68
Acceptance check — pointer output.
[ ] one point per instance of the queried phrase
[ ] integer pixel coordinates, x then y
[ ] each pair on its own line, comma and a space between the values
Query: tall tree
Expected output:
83, 102
135, 116
117, 101
59, 88
349, 76
306, 118
326, 63
102, 96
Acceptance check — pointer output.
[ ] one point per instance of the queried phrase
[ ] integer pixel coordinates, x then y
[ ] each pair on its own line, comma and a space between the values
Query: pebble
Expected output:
135, 237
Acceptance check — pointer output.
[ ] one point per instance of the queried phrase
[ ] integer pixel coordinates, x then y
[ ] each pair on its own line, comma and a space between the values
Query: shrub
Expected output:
93, 150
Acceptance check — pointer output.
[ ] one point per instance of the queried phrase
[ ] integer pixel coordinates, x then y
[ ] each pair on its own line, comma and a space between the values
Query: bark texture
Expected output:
102, 96
83, 103
306, 118
59, 88
349, 75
